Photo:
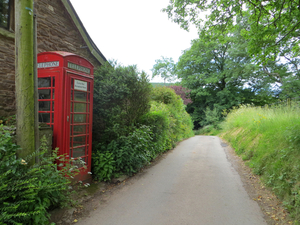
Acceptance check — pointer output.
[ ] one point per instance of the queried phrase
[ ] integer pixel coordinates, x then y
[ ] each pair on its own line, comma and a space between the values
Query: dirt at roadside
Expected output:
270, 205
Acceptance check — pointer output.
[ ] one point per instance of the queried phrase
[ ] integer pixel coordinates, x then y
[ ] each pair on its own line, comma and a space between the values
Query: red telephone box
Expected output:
65, 89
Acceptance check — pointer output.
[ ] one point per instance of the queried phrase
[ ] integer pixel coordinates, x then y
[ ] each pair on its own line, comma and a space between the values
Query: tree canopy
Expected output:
164, 67
220, 74
273, 30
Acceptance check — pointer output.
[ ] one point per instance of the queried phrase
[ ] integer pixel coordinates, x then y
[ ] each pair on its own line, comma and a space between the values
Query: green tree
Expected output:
273, 25
220, 74
165, 67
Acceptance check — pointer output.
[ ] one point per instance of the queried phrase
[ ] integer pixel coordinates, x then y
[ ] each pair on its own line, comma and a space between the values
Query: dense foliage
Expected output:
273, 25
268, 139
123, 146
121, 97
165, 68
220, 75
168, 116
247, 52
28, 192
183, 92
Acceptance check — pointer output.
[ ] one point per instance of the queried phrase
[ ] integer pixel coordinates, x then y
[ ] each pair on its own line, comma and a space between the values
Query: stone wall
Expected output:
56, 32
7, 75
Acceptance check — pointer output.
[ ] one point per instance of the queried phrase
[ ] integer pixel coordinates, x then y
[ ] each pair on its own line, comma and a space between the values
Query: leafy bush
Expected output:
180, 122
183, 92
212, 117
125, 155
104, 165
208, 130
121, 98
159, 121
8, 121
128, 134
134, 151
170, 122
27, 192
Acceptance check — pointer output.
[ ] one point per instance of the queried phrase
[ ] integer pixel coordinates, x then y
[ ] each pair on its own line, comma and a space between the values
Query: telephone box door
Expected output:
79, 117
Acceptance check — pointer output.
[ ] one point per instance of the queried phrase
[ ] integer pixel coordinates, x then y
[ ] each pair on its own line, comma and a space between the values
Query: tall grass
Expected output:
269, 139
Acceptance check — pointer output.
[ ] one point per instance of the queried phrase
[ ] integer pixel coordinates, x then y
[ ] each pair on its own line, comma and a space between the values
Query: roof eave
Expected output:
91, 45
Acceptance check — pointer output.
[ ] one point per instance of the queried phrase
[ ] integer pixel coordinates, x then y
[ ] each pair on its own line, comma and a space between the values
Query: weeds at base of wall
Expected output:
28, 192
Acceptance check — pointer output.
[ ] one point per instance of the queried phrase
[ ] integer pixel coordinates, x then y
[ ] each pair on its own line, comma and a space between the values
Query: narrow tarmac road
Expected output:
194, 185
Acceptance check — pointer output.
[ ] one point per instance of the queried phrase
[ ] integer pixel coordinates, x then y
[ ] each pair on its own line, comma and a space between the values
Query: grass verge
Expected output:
268, 139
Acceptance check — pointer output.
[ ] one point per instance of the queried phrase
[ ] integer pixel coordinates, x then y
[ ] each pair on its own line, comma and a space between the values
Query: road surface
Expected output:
194, 185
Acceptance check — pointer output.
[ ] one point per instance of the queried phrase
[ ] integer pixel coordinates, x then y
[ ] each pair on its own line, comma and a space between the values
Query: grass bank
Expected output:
268, 139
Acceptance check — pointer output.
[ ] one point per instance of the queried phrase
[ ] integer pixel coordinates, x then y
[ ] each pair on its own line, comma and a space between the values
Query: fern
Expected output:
26, 192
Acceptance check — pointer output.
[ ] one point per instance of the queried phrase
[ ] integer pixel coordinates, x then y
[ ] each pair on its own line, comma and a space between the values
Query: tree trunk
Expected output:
24, 79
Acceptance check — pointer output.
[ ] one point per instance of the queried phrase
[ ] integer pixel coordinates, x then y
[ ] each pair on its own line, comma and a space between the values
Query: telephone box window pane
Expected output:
52, 106
79, 96
4, 13
79, 118
44, 82
53, 82
77, 141
44, 94
81, 129
53, 95
44, 117
79, 107
78, 152
44, 106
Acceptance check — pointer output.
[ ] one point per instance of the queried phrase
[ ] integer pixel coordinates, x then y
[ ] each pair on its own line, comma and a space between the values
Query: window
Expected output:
6, 14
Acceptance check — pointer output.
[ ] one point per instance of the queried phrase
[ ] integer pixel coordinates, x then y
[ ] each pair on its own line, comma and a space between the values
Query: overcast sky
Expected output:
133, 31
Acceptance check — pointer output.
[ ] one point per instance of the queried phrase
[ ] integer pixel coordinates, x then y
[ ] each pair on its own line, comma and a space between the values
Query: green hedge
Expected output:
157, 130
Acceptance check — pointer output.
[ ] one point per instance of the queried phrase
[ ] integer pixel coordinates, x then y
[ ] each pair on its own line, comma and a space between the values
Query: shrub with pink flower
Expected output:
183, 92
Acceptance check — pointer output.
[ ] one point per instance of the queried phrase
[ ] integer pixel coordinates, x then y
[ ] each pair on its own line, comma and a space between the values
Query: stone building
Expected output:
58, 29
